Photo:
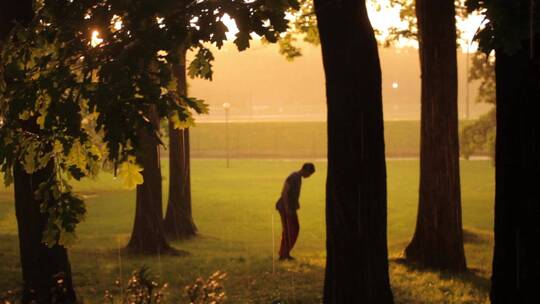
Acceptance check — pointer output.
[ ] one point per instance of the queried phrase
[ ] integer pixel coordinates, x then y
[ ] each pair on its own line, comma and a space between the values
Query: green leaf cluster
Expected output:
483, 70
201, 66
480, 136
64, 211
77, 82
302, 24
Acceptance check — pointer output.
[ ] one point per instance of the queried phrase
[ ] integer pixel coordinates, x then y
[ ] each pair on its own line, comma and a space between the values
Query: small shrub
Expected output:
479, 137
142, 289
10, 297
209, 291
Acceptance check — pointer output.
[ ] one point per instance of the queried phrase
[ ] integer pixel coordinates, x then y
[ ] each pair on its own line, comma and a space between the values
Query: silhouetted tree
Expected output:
438, 239
517, 202
208, 28
46, 271
148, 235
69, 105
513, 31
178, 221
356, 198
250, 17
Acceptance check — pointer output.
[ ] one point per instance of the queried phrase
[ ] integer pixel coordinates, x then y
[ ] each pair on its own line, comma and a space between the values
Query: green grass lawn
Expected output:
234, 211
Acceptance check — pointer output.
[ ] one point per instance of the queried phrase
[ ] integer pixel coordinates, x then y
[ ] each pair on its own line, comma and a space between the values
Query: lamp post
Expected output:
467, 109
226, 107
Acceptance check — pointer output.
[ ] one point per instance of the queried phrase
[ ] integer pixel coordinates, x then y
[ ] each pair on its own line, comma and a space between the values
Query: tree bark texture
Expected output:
46, 272
148, 236
356, 198
517, 201
178, 221
438, 239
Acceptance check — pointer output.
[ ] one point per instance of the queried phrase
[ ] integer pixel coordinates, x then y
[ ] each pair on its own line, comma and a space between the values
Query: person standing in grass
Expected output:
287, 205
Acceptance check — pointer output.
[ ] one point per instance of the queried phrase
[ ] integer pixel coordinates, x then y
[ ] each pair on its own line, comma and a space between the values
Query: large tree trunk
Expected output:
46, 272
517, 201
178, 221
357, 254
148, 236
438, 239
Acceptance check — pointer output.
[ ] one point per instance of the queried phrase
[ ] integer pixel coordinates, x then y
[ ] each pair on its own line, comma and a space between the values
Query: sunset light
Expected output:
231, 25
384, 17
264, 151
96, 40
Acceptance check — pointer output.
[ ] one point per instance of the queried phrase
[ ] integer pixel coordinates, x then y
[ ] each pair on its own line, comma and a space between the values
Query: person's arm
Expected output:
285, 196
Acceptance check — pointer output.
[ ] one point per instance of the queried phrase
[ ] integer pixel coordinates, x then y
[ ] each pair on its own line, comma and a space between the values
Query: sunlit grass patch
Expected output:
240, 229
413, 285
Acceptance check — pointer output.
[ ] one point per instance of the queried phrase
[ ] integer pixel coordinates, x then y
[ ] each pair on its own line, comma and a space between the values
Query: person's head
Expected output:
307, 170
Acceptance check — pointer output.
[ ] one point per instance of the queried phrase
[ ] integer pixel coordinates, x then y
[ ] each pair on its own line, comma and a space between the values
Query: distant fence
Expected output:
290, 140
274, 140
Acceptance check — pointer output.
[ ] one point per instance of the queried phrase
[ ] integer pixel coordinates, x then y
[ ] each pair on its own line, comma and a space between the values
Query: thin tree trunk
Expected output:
517, 202
357, 254
178, 221
46, 272
148, 236
438, 239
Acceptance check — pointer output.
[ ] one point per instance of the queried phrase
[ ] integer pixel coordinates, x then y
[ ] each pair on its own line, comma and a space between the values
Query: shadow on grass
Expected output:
471, 276
415, 284
166, 251
291, 282
471, 236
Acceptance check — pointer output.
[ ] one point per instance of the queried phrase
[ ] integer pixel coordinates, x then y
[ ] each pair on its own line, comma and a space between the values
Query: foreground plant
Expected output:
209, 291
141, 288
